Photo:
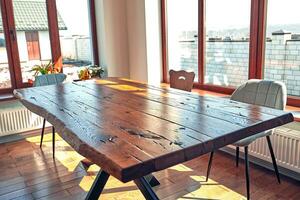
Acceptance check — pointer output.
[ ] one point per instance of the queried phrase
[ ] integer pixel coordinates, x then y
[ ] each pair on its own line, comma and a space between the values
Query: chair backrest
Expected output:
181, 80
49, 79
262, 92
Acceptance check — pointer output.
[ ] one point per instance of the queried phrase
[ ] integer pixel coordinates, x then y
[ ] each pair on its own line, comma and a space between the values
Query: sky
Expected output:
75, 15
222, 14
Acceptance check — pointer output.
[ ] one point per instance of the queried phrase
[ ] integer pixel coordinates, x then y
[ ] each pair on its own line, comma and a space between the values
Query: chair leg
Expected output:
53, 141
43, 131
209, 165
273, 158
247, 172
237, 157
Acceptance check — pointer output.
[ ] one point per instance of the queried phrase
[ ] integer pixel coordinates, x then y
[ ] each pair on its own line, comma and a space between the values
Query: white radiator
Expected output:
286, 145
17, 120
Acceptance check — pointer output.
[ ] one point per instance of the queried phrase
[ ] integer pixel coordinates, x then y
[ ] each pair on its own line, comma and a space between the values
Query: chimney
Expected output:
281, 36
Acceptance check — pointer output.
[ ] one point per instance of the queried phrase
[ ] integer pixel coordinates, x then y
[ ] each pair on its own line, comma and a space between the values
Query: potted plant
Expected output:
95, 71
91, 71
43, 69
84, 74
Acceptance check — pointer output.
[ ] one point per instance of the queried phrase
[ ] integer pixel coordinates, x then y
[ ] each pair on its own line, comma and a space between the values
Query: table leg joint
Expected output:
145, 188
97, 186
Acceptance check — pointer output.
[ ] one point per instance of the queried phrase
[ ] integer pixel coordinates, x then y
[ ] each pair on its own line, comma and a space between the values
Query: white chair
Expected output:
43, 80
263, 93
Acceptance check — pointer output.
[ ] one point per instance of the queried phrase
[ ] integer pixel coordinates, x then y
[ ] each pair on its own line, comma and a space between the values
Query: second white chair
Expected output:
263, 93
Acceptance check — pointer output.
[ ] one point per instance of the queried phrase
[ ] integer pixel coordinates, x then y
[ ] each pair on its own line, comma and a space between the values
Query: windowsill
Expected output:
295, 111
6, 97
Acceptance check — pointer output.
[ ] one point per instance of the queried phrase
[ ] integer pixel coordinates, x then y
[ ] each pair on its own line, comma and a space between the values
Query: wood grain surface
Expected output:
131, 129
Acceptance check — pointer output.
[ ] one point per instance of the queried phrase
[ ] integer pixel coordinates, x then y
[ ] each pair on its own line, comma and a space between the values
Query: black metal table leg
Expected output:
43, 131
152, 180
97, 186
146, 189
53, 142
273, 158
237, 156
247, 172
209, 165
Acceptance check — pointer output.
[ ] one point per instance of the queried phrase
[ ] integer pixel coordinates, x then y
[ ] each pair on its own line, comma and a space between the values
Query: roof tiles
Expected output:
32, 16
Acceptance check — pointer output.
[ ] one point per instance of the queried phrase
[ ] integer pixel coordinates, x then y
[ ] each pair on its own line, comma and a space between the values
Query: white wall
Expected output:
129, 38
45, 47
153, 36
22, 46
113, 34
137, 40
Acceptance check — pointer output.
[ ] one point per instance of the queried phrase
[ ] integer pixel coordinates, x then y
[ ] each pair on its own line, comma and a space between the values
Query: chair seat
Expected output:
246, 141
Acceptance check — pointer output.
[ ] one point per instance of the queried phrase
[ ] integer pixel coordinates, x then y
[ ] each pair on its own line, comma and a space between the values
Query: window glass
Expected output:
32, 31
75, 36
182, 35
227, 42
282, 49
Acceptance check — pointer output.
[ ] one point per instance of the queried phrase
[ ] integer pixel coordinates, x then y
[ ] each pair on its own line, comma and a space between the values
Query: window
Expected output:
229, 34
282, 48
75, 36
31, 25
182, 35
227, 42
29, 37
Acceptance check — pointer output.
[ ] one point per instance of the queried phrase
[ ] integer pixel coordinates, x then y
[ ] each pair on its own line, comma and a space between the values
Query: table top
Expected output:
131, 129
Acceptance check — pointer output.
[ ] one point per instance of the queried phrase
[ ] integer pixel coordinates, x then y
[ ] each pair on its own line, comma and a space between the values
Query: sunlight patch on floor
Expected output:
117, 190
93, 168
212, 189
86, 183
181, 168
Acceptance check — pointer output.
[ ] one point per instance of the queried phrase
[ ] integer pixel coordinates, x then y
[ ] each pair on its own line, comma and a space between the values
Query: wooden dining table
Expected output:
132, 129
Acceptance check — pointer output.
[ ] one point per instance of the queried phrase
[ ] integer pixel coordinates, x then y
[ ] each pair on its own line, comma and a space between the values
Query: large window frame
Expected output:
12, 46
256, 46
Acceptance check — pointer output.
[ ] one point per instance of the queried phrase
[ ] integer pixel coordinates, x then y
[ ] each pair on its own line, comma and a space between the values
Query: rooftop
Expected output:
32, 16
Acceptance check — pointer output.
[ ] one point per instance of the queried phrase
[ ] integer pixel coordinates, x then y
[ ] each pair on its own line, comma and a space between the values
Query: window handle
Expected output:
12, 34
